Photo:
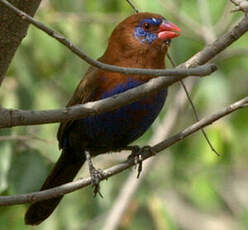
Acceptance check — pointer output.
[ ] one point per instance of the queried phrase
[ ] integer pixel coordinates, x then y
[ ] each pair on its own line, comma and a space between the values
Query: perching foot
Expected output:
136, 154
95, 174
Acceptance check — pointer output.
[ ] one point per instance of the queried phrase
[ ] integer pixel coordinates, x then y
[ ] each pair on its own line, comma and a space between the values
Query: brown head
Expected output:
140, 39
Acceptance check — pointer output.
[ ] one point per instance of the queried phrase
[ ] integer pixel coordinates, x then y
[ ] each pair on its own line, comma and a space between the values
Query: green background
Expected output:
188, 186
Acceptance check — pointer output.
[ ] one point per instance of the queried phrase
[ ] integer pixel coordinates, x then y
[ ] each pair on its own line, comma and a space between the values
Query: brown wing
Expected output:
83, 93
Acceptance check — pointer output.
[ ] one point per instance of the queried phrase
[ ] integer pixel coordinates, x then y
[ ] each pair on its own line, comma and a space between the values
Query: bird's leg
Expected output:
96, 175
136, 154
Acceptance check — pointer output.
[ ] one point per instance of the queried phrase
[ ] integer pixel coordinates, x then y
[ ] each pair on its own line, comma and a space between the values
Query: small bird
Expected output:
139, 41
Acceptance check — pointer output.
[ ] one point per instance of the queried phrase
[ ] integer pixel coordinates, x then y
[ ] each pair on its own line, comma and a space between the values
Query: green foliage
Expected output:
44, 74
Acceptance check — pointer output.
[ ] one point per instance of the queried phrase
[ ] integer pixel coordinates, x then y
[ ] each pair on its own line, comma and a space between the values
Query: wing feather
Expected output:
84, 93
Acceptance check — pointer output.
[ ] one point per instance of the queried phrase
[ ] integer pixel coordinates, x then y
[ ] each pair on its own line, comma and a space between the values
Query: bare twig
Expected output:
10, 118
78, 52
227, 40
133, 6
193, 108
69, 187
129, 188
206, 121
200, 58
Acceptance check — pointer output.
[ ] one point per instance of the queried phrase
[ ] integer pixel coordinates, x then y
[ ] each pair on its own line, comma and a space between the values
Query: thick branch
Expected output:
200, 58
70, 187
10, 118
13, 30
14, 117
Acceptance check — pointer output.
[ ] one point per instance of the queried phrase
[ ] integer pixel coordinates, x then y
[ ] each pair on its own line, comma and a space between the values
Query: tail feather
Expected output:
64, 171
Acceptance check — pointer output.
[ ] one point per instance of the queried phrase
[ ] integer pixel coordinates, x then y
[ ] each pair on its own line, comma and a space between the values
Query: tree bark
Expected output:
12, 30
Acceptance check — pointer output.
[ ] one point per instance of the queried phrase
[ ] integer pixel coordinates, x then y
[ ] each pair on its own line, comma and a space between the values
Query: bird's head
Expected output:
142, 32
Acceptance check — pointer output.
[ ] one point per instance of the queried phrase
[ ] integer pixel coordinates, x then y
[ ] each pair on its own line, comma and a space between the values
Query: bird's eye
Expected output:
146, 26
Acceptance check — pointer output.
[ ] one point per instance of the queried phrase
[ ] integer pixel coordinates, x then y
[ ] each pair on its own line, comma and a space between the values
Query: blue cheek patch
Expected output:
143, 36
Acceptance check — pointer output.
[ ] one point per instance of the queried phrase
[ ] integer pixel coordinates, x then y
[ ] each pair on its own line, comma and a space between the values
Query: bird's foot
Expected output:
96, 175
136, 154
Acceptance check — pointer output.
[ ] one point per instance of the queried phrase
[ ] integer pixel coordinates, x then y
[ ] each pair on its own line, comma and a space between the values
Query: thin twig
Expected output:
80, 53
133, 6
193, 107
200, 58
72, 186
131, 185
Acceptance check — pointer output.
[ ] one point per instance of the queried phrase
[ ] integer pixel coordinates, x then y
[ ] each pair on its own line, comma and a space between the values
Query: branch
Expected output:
133, 6
128, 189
201, 58
12, 31
81, 54
195, 113
72, 186
218, 45
10, 117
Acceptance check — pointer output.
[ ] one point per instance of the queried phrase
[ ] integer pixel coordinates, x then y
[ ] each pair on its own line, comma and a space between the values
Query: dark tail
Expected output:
63, 172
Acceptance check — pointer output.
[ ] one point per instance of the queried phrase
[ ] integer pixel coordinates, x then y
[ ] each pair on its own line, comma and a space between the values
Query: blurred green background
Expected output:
189, 187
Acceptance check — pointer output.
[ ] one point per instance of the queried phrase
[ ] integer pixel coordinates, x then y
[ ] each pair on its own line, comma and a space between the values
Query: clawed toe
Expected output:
96, 177
136, 154
95, 174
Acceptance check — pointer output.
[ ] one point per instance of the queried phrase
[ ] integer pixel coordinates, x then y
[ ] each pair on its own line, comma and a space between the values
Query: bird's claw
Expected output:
136, 154
96, 176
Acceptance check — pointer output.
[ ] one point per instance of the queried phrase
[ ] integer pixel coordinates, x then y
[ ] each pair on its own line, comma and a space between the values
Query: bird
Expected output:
139, 41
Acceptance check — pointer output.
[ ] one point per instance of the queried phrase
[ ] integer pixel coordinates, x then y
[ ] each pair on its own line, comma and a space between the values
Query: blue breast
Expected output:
120, 127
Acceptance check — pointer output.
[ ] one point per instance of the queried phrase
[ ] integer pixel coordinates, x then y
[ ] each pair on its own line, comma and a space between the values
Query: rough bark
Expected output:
12, 30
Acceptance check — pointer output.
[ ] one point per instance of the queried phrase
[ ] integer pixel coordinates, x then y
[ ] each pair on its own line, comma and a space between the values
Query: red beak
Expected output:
168, 30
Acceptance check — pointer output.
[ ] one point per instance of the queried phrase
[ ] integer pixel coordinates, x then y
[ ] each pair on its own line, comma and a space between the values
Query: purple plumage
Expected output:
121, 127
139, 41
